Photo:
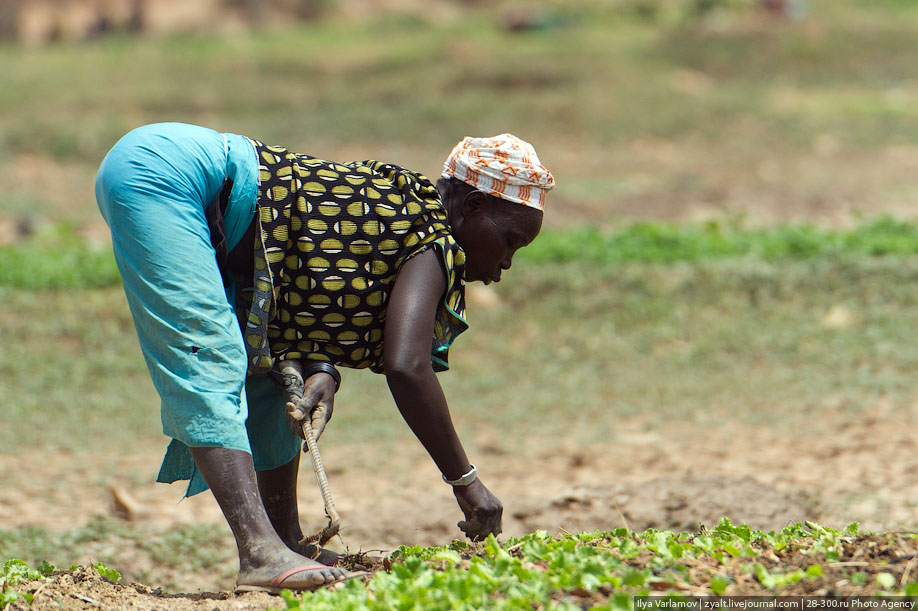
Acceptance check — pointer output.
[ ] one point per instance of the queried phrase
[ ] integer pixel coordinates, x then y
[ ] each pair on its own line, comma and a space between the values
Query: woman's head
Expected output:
494, 190
490, 230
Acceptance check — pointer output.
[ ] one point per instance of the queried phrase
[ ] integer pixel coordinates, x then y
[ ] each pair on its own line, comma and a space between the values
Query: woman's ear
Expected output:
473, 203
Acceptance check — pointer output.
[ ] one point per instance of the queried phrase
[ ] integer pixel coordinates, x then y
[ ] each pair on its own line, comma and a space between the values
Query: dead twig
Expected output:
908, 569
621, 513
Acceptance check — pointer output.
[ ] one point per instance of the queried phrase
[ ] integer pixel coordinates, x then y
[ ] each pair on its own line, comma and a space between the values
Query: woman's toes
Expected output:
304, 578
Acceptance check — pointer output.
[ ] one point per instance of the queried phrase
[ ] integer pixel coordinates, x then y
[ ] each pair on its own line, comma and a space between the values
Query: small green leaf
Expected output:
446, 555
814, 570
15, 571
633, 577
768, 581
733, 550
885, 581
290, 598
719, 584
492, 546
106, 573
46, 568
7, 597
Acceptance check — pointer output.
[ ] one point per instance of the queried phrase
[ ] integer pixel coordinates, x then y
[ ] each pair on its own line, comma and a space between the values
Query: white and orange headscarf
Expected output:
503, 166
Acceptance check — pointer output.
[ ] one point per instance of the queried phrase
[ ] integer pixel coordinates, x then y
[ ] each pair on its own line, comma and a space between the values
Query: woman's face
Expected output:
490, 232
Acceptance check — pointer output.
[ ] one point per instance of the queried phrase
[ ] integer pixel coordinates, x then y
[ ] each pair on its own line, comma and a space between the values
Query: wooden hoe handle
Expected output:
334, 521
289, 374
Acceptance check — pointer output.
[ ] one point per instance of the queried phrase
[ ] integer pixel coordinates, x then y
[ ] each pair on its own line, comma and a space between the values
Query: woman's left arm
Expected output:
408, 336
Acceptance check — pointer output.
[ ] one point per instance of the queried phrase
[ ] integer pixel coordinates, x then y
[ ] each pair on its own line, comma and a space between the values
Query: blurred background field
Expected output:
726, 286
677, 113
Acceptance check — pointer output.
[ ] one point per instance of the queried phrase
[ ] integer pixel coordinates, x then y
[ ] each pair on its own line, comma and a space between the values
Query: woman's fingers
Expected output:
320, 417
319, 413
295, 417
483, 511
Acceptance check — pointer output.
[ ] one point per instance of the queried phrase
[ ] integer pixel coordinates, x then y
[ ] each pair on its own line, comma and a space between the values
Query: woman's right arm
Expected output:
408, 334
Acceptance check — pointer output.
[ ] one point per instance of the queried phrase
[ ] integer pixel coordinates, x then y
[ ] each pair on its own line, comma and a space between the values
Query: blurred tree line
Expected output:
35, 22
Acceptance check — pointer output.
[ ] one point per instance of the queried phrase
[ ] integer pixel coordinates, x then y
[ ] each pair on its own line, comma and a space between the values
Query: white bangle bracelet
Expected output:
466, 479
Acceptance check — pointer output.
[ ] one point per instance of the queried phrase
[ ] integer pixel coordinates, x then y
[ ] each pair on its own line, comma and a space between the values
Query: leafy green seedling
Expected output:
106, 573
885, 581
15, 572
814, 570
719, 584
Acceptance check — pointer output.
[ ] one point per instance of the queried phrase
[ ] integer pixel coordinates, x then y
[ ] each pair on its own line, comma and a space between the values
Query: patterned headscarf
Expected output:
503, 166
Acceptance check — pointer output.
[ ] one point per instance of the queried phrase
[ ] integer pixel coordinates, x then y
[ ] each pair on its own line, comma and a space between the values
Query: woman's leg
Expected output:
263, 556
278, 493
276, 453
188, 330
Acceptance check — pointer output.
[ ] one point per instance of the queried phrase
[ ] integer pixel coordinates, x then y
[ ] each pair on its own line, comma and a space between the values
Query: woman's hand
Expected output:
482, 511
317, 402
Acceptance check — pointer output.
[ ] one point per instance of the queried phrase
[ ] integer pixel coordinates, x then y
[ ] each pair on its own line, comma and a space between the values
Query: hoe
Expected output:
290, 374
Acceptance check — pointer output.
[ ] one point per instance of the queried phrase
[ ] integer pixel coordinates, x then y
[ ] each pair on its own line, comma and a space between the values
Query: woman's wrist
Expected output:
465, 479
310, 369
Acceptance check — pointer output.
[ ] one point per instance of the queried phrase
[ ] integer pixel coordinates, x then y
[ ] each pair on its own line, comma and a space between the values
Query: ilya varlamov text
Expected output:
802, 603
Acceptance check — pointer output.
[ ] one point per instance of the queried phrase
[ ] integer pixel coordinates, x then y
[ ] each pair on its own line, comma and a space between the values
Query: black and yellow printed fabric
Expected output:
332, 239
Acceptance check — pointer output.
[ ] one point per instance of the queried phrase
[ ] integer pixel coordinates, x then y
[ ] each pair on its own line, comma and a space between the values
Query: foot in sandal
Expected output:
289, 571
314, 552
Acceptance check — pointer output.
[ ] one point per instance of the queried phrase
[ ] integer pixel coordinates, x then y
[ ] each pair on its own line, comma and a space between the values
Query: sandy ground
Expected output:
843, 468
679, 476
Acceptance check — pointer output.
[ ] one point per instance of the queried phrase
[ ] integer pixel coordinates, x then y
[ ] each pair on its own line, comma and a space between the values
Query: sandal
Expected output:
279, 582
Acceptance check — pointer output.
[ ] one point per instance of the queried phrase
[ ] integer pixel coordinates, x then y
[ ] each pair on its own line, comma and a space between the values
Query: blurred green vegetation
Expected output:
686, 302
655, 242
739, 339
56, 258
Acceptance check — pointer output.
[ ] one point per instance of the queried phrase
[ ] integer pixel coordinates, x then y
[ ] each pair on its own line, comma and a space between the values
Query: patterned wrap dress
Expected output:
331, 239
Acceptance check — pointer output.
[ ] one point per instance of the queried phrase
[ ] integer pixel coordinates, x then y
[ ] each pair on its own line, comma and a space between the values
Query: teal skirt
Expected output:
153, 188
